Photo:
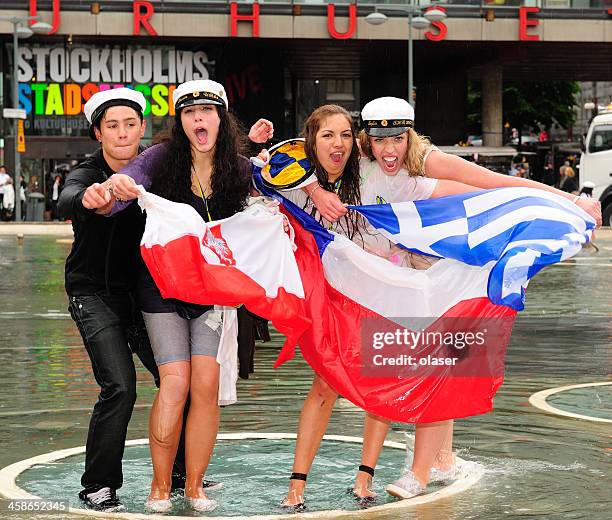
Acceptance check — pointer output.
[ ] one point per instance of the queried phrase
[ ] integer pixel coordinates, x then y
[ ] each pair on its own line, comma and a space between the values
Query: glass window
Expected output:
601, 139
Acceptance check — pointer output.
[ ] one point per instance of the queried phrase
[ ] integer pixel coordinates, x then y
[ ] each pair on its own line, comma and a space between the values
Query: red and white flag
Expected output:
245, 259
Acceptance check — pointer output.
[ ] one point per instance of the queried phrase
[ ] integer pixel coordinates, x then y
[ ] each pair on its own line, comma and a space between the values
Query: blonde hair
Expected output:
415, 153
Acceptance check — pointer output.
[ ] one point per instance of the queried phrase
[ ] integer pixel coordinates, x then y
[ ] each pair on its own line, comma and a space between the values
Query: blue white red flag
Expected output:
338, 302
472, 287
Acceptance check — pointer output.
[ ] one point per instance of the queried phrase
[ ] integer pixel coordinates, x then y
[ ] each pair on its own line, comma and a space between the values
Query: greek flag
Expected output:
511, 232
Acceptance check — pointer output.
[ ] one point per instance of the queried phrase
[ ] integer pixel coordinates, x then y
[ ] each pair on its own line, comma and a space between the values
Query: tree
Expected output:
535, 104
540, 104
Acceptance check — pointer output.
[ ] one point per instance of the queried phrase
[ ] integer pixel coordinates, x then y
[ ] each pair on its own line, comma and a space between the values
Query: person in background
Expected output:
568, 182
23, 186
587, 189
56, 189
562, 169
523, 171
4, 178
9, 200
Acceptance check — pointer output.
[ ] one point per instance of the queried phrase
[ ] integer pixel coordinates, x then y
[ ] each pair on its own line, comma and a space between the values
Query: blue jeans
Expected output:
112, 329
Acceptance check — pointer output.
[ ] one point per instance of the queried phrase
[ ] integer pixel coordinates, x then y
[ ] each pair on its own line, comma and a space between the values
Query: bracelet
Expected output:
315, 189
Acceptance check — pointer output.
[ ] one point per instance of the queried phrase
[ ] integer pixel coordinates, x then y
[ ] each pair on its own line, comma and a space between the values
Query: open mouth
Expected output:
337, 157
201, 135
390, 163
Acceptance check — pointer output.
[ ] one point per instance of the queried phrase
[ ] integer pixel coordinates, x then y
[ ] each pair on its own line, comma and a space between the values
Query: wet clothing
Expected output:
377, 188
105, 255
101, 272
159, 311
112, 329
177, 339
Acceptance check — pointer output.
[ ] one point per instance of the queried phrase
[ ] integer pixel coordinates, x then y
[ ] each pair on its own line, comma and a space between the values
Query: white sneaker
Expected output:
158, 505
443, 476
202, 504
407, 486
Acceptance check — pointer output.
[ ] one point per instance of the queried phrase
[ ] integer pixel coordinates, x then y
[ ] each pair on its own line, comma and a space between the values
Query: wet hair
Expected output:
415, 153
230, 180
349, 191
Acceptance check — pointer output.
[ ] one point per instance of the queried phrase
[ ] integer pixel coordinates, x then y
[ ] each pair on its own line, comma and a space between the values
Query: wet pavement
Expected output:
537, 465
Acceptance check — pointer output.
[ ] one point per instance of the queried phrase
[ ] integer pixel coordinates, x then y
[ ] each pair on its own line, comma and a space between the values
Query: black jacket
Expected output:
105, 256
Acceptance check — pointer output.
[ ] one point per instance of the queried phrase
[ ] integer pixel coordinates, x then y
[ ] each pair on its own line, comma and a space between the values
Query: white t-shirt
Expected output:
380, 188
4, 177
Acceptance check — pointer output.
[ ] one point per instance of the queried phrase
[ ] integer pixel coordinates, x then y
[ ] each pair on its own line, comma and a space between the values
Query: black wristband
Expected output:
298, 476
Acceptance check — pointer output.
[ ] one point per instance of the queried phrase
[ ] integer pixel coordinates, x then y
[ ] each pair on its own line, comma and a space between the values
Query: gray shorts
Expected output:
176, 339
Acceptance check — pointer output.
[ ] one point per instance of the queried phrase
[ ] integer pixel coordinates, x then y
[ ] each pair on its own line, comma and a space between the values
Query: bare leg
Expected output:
165, 424
375, 430
445, 459
429, 439
202, 422
314, 418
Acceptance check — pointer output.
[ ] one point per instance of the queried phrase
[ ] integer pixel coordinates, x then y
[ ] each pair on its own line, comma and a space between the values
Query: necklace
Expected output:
336, 185
204, 199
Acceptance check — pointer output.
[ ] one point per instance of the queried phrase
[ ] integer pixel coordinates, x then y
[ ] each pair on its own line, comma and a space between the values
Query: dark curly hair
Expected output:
348, 191
230, 180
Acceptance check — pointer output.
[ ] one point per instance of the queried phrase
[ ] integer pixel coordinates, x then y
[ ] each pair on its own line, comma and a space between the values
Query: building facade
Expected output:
281, 59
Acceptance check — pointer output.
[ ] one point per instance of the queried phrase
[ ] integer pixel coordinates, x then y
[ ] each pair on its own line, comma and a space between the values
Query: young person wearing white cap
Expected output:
200, 164
398, 165
331, 148
100, 274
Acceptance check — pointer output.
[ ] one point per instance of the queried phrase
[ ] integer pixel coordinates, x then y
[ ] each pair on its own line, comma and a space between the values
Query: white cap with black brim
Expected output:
387, 117
199, 92
101, 101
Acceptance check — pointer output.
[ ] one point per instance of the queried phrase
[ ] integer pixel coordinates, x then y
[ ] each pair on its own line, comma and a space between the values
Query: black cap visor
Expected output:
386, 132
199, 98
387, 127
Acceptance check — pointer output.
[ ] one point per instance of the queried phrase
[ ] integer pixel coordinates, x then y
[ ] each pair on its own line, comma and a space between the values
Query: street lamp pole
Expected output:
20, 30
417, 22
17, 156
410, 62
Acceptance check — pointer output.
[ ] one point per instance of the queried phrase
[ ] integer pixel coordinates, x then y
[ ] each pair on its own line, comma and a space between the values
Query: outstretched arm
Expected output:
139, 171
445, 187
440, 165
82, 197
